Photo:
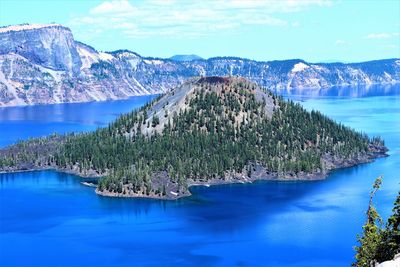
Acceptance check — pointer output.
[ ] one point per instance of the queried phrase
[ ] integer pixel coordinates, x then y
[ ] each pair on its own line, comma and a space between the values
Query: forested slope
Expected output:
209, 130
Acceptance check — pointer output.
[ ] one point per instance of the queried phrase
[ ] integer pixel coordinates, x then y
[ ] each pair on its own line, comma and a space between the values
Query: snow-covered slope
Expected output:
43, 64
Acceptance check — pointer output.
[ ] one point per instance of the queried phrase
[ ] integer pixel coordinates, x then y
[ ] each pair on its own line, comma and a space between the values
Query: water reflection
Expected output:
358, 91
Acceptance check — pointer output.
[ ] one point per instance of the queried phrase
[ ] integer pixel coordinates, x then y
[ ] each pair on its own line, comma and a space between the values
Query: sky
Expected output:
313, 30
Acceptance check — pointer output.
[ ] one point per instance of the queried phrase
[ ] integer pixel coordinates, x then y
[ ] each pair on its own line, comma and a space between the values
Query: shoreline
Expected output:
242, 179
237, 178
275, 89
214, 182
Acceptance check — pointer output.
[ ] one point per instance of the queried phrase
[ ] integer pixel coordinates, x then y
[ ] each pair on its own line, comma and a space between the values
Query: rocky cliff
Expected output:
51, 46
43, 64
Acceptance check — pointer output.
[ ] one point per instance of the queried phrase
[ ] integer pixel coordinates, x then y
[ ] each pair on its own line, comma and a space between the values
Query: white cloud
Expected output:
383, 35
275, 6
113, 7
189, 18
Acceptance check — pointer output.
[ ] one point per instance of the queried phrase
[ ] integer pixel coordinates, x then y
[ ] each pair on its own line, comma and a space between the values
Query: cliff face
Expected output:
51, 46
287, 74
43, 64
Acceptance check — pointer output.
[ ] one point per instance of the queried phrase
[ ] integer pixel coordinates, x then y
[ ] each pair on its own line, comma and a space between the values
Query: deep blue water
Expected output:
20, 123
49, 218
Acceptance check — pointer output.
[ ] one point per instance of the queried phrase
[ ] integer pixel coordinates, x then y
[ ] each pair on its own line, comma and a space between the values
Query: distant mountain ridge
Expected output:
186, 57
43, 64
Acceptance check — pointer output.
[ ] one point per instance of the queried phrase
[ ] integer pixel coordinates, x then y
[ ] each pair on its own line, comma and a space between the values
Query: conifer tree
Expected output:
371, 238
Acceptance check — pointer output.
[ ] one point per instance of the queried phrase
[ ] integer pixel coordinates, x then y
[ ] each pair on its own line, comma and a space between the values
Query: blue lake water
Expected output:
51, 219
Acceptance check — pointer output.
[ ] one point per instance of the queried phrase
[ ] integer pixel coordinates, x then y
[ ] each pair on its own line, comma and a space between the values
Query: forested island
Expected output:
209, 130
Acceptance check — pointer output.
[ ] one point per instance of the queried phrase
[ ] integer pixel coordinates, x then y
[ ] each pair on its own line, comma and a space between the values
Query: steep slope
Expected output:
51, 46
209, 130
43, 64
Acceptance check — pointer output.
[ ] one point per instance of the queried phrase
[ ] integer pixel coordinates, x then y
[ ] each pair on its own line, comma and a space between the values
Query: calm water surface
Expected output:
20, 123
49, 218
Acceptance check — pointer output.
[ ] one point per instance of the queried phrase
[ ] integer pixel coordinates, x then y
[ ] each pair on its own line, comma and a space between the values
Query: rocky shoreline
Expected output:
259, 173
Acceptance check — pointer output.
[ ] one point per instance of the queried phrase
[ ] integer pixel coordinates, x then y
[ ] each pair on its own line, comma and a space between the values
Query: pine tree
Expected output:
155, 121
371, 238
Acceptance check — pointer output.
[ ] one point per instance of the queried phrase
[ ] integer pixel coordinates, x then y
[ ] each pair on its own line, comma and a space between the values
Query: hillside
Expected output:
185, 57
209, 130
43, 64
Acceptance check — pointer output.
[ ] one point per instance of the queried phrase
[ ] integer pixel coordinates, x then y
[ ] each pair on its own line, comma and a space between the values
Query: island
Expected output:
207, 131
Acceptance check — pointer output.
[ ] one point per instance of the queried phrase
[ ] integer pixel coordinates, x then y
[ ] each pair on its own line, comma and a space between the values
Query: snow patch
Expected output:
300, 67
127, 54
154, 62
105, 56
27, 27
319, 68
87, 57
134, 62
